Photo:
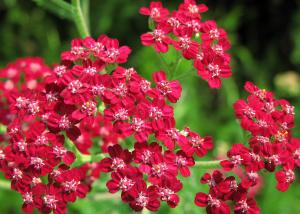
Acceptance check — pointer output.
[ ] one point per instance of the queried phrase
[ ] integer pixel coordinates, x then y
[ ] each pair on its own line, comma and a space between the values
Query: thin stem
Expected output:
177, 65
105, 196
165, 64
4, 184
209, 164
86, 12
79, 19
185, 74
82, 158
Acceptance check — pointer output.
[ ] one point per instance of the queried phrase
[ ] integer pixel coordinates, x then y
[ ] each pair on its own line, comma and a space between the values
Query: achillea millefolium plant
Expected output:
53, 118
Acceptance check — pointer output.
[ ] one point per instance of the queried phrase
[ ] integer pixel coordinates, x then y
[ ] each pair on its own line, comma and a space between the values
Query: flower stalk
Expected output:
209, 164
79, 19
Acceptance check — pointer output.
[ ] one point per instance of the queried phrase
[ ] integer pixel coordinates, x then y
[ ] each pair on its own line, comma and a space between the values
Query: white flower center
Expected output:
28, 198
37, 162
121, 114
142, 200
125, 184
64, 122
74, 86
50, 201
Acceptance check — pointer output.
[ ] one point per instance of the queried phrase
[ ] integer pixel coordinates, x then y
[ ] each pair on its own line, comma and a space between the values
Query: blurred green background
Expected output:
265, 37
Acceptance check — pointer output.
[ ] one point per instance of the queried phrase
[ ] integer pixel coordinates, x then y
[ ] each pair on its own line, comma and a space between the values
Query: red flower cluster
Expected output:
36, 159
78, 101
271, 145
161, 170
197, 40
225, 189
57, 121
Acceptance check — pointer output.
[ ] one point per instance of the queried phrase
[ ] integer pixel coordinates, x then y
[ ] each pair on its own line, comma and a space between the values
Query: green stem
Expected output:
165, 64
209, 164
79, 19
177, 65
82, 158
5, 185
185, 74
105, 196
86, 12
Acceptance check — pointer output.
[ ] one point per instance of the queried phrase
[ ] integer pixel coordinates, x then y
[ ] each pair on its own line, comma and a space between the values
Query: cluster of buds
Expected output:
60, 120
197, 40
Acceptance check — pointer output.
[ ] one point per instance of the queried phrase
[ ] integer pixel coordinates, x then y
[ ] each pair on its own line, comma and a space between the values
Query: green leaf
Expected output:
58, 7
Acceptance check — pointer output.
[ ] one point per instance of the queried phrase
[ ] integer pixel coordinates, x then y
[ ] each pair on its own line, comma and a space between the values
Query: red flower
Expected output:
124, 180
170, 136
244, 109
113, 53
158, 38
211, 32
157, 111
77, 51
20, 181
196, 144
87, 70
143, 154
181, 160
119, 159
156, 11
246, 206
28, 202
189, 48
212, 180
161, 168
190, 8
212, 203
236, 157
58, 123
72, 184
96, 47
124, 74
250, 179
50, 199
143, 197
74, 91
169, 89
284, 178
167, 190
213, 69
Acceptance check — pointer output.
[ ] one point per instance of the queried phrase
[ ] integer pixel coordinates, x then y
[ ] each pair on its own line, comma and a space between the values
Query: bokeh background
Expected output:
265, 37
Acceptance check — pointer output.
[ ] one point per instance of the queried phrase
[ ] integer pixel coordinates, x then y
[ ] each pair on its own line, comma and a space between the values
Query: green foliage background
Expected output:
265, 38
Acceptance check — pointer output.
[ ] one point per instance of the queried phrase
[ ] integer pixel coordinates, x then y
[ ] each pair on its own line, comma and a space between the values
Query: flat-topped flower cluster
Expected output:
60, 120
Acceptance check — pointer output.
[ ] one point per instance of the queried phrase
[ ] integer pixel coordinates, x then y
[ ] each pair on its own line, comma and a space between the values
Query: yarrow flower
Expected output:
222, 190
184, 29
68, 124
